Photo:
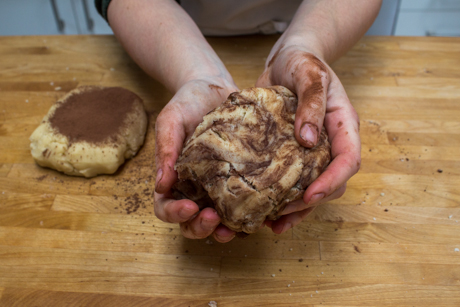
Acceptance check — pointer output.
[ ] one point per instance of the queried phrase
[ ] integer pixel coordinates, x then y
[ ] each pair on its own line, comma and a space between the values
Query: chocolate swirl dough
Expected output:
244, 160
90, 131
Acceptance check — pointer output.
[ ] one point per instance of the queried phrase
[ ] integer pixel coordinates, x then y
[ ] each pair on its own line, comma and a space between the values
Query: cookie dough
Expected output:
90, 131
244, 160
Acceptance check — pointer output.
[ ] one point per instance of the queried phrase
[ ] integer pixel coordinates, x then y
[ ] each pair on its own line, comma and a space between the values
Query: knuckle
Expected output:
341, 190
358, 165
187, 231
168, 217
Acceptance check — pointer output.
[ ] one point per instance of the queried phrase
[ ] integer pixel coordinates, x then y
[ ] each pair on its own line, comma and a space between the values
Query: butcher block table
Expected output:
392, 240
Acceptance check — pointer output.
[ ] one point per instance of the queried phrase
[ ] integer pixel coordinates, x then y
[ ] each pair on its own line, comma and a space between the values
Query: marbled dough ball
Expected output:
244, 160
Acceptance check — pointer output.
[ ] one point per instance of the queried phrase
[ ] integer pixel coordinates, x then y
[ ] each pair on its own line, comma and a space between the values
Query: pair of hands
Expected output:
322, 101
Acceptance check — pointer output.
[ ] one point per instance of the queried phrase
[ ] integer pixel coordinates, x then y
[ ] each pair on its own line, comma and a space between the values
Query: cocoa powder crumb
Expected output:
41, 177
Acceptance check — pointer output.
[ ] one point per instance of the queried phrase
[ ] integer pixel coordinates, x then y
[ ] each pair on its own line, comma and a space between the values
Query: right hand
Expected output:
174, 125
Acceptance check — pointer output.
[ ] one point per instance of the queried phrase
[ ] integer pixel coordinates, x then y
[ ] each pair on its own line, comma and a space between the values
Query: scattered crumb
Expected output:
27, 100
51, 83
456, 249
273, 275
450, 216
41, 223
375, 219
382, 194
209, 242
380, 203
439, 170
316, 291
290, 249
212, 269
112, 69
57, 88
289, 285
212, 304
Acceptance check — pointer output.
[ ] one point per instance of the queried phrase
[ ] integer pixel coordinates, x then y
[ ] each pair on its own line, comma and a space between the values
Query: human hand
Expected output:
176, 123
322, 100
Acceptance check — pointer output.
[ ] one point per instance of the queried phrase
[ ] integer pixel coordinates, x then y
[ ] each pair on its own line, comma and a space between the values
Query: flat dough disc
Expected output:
90, 131
244, 160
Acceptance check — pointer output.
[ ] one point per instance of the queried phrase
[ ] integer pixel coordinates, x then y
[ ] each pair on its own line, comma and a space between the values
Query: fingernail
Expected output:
286, 227
186, 213
159, 176
308, 133
209, 224
224, 239
315, 198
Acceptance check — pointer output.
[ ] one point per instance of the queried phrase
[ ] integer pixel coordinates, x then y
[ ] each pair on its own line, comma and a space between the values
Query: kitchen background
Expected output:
50, 17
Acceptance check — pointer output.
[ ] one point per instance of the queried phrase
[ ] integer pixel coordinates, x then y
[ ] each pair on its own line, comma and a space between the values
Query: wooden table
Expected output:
392, 239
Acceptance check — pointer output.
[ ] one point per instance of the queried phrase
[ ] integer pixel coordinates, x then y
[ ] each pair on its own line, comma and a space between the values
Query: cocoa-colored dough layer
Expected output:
244, 160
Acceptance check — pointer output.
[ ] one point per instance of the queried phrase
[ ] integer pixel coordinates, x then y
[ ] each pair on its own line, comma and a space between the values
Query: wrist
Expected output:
214, 88
222, 82
307, 43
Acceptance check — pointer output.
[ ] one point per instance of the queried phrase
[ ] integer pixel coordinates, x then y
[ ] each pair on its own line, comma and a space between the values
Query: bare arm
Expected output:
321, 31
329, 28
165, 42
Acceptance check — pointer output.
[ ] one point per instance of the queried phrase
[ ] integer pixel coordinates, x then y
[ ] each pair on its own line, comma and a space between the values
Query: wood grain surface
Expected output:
392, 240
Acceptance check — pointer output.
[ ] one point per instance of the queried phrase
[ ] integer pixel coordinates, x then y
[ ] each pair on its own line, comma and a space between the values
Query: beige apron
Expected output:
237, 17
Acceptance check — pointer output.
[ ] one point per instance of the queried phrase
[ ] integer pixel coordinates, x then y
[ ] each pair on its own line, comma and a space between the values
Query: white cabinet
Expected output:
428, 18
385, 22
50, 17
89, 20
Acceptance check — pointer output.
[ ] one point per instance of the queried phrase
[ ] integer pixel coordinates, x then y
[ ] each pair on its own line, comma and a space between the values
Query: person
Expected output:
164, 40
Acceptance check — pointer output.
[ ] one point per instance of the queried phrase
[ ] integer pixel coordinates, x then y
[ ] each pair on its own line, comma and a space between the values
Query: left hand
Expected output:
321, 100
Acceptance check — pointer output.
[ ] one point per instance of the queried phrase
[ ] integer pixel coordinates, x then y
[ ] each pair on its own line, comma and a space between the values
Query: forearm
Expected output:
165, 42
329, 28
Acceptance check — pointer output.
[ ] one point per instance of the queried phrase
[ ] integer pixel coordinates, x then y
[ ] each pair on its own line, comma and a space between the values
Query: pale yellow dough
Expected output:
52, 149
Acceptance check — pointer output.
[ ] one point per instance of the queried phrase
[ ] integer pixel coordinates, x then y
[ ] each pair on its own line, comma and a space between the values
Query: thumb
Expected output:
169, 140
311, 109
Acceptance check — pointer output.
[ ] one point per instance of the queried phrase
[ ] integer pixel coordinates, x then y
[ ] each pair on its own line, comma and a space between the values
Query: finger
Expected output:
300, 205
202, 225
174, 211
264, 79
268, 223
223, 234
288, 221
342, 125
311, 81
169, 138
